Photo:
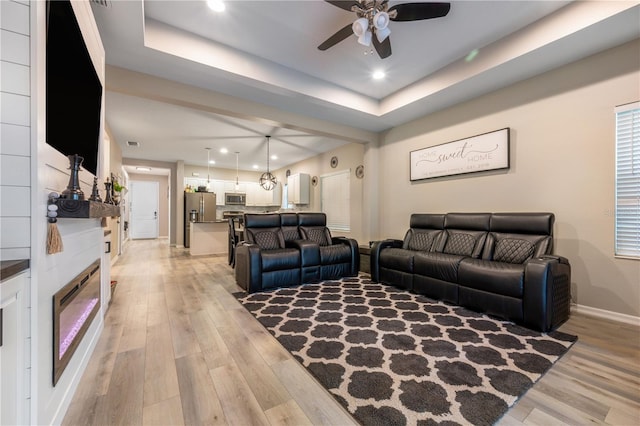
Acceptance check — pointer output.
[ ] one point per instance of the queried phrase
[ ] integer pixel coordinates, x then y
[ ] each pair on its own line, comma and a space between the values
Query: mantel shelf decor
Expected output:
85, 209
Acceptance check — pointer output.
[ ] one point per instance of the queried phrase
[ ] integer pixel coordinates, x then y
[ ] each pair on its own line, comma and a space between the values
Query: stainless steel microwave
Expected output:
235, 199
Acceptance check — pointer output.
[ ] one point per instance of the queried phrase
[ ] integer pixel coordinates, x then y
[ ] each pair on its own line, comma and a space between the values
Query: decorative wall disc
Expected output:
314, 180
334, 162
288, 172
360, 171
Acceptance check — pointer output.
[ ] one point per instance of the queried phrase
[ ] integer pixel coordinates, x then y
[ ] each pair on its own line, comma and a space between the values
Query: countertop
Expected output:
212, 221
9, 268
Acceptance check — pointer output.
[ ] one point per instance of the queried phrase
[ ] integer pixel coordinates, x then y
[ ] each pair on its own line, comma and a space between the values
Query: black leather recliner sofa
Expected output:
288, 249
497, 263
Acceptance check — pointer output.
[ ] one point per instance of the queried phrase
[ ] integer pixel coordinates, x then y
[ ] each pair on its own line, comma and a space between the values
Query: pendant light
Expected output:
208, 163
237, 182
268, 180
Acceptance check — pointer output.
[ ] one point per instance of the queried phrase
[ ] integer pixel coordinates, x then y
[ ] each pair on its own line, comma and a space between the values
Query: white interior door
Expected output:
144, 209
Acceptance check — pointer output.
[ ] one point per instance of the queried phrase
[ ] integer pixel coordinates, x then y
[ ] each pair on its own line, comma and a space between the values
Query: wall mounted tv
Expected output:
73, 88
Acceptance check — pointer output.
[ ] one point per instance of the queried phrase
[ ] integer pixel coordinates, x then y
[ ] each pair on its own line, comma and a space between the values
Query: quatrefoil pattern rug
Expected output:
392, 357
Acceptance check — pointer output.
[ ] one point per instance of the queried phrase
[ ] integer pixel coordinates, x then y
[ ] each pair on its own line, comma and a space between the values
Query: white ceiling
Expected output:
266, 52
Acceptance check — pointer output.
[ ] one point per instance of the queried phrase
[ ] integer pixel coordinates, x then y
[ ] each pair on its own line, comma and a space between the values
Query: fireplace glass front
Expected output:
74, 307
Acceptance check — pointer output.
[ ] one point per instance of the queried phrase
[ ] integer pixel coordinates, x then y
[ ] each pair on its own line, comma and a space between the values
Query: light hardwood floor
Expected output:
177, 348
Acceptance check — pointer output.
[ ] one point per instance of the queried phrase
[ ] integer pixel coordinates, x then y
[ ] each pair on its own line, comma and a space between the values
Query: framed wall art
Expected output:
488, 151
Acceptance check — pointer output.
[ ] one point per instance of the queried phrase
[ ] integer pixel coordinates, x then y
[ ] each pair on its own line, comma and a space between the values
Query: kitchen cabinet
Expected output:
298, 188
217, 186
13, 358
230, 186
258, 197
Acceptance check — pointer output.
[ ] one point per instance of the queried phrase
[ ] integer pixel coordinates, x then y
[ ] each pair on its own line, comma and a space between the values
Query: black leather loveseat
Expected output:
497, 263
288, 249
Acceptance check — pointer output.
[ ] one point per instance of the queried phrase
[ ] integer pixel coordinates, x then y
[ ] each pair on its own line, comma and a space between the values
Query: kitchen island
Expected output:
209, 237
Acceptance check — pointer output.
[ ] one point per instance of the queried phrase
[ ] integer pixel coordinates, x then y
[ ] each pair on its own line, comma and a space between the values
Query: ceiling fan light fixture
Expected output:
360, 26
381, 20
382, 34
365, 39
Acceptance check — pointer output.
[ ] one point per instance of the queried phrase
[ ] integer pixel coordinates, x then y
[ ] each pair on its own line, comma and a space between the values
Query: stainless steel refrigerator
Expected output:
198, 207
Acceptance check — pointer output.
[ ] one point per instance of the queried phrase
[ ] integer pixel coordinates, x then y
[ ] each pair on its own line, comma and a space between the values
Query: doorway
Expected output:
144, 210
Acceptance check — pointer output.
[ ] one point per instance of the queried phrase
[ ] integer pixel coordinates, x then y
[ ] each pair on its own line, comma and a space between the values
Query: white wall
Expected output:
15, 167
562, 161
15, 131
82, 238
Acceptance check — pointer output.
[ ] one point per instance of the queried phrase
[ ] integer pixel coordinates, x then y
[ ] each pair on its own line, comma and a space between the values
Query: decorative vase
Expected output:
73, 191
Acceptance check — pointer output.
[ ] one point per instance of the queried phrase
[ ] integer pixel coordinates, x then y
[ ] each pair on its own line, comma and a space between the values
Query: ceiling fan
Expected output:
374, 16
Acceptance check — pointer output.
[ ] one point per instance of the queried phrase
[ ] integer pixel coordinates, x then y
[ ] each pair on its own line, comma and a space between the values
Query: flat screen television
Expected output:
73, 88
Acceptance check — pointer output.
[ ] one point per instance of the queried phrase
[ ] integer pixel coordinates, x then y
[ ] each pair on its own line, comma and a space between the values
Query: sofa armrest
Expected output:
376, 248
355, 252
547, 292
248, 267
309, 252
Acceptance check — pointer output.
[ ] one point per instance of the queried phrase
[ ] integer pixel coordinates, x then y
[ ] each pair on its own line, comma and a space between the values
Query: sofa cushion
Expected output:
436, 265
421, 239
279, 259
267, 239
336, 253
318, 234
513, 250
397, 258
493, 277
463, 242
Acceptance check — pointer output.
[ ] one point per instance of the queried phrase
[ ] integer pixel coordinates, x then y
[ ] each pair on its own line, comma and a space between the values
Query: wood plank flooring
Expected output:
177, 348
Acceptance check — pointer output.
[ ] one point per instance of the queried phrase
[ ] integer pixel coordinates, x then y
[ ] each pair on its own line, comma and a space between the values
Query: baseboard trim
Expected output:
604, 314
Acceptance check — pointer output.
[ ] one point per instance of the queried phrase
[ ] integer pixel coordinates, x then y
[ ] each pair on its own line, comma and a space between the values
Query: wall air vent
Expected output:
103, 3
133, 144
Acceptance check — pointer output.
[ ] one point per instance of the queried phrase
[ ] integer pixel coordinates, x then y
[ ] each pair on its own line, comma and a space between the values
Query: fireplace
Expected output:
74, 307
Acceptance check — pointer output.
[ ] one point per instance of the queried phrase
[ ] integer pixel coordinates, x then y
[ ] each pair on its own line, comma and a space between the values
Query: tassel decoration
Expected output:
54, 241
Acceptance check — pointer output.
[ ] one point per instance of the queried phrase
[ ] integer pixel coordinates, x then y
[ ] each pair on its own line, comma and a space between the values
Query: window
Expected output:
335, 200
628, 180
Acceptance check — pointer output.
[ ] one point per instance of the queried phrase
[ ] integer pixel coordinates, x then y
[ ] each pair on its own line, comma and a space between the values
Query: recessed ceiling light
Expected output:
255, 166
378, 75
274, 157
216, 5
212, 161
143, 169
223, 150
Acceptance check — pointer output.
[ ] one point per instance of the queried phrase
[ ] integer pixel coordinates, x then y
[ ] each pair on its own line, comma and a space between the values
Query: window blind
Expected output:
627, 226
335, 200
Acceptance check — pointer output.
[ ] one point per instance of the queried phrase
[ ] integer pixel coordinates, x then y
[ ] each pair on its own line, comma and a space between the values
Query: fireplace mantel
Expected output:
85, 209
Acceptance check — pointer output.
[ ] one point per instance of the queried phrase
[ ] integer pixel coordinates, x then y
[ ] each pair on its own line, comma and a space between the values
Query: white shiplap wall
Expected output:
15, 130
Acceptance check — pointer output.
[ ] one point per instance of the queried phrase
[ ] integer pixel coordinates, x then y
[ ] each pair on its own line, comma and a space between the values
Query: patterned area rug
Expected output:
393, 358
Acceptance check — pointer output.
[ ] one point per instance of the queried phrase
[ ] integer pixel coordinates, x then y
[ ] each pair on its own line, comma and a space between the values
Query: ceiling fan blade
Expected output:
345, 32
342, 4
419, 11
384, 48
